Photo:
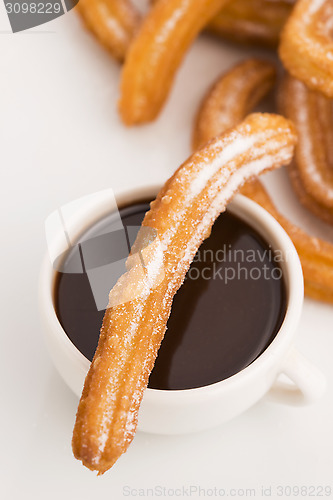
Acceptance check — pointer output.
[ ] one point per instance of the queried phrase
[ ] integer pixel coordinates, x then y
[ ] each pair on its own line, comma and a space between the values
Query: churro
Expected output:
156, 53
306, 47
113, 22
182, 216
231, 98
315, 254
311, 171
257, 22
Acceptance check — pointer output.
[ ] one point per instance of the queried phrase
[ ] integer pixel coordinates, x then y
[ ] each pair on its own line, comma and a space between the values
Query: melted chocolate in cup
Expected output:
226, 313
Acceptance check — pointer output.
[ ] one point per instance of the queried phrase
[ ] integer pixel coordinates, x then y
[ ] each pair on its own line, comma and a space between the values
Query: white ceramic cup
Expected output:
189, 410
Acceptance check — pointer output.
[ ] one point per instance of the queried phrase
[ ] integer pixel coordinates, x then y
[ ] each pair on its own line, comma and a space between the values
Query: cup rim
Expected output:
265, 224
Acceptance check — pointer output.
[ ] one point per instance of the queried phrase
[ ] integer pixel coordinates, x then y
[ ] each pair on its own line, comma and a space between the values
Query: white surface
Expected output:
60, 139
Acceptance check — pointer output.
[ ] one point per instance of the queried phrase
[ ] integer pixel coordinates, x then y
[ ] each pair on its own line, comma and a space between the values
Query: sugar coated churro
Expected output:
252, 21
182, 216
156, 53
306, 47
231, 98
311, 171
315, 254
113, 22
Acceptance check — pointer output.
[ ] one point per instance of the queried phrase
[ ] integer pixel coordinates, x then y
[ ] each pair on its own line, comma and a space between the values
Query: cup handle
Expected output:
309, 383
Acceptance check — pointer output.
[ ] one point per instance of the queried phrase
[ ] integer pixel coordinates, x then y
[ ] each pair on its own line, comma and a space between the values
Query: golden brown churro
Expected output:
113, 22
231, 98
311, 171
156, 53
316, 255
252, 21
182, 216
306, 47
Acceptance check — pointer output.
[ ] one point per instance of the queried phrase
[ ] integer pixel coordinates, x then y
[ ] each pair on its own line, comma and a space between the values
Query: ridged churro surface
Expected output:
306, 47
156, 53
181, 216
113, 22
231, 98
228, 102
256, 22
311, 171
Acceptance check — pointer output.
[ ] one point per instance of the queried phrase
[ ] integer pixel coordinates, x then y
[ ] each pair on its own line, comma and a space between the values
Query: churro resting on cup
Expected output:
181, 217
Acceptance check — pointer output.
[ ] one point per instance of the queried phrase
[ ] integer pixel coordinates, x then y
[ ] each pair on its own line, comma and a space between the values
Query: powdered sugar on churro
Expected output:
169, 25
239, 145
311, 167
314, 6
276, 153
112, 23
132, 331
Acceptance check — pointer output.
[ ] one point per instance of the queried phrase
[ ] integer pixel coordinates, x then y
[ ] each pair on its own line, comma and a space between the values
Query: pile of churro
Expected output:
231, 148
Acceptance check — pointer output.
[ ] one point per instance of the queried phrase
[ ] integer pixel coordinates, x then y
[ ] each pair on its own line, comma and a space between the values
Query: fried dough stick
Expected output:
225, 105
182, 216
113, 22
157, 52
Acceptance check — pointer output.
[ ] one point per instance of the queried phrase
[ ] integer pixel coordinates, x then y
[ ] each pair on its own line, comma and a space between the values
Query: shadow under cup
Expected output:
229, 309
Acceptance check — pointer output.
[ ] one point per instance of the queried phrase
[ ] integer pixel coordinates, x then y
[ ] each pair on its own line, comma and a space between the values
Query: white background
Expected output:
61, 139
